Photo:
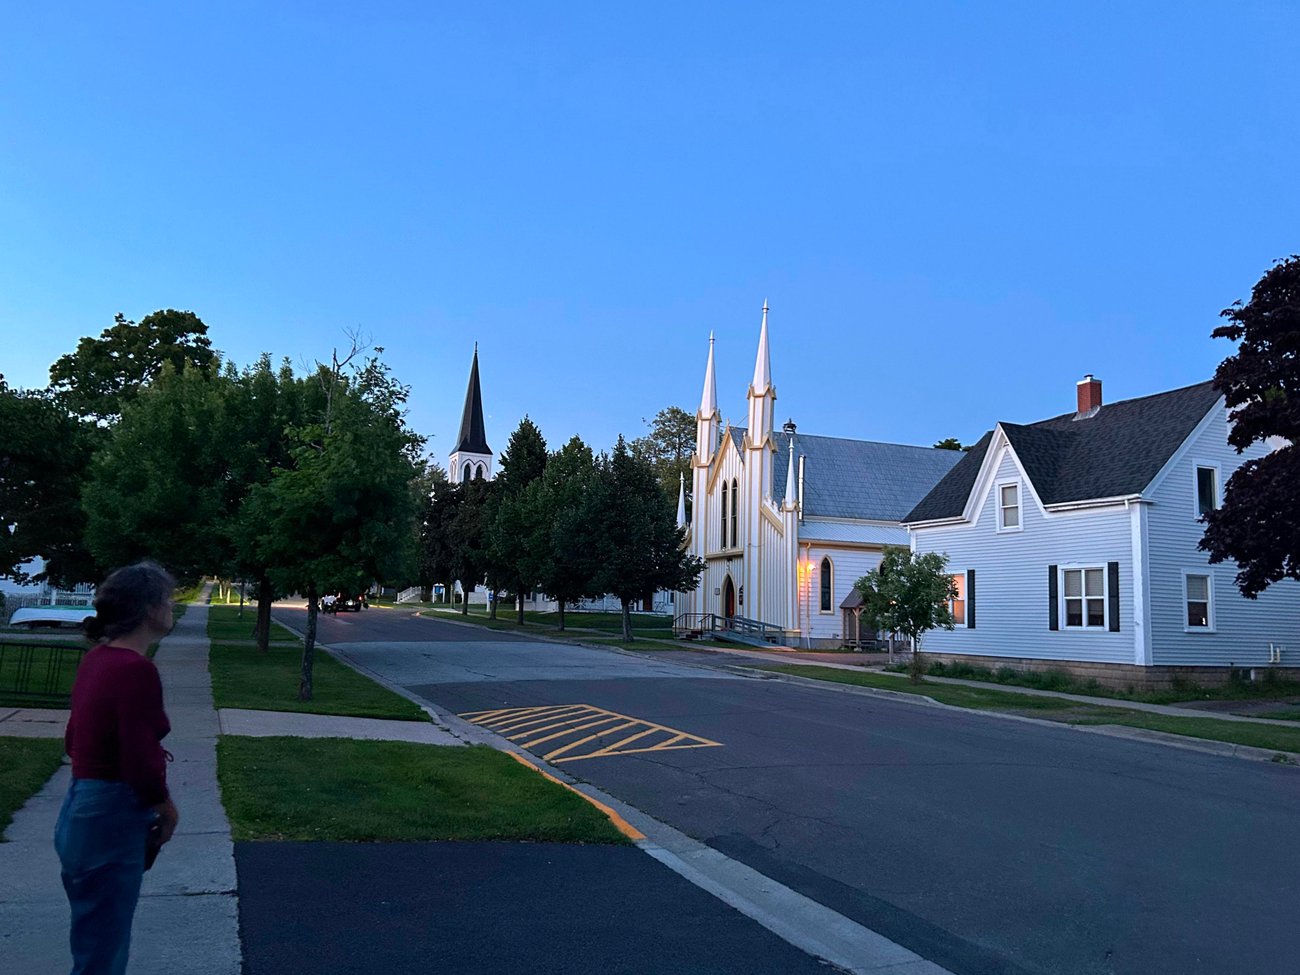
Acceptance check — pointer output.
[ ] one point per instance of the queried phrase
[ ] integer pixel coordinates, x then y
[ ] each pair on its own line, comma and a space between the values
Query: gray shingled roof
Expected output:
857, 478
1115, 452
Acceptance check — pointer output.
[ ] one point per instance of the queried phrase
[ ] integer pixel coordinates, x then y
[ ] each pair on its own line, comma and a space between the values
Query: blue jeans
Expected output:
101, 837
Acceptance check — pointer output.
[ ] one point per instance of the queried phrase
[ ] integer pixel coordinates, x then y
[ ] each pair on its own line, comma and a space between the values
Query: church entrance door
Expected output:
729, 598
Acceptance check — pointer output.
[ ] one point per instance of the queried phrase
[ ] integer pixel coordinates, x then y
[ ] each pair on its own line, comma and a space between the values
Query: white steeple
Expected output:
763, 364
709, 400
681, 500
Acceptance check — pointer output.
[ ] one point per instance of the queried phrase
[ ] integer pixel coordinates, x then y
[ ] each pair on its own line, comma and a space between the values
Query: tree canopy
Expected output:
105, 373
909, 594
668, 447
1258, 525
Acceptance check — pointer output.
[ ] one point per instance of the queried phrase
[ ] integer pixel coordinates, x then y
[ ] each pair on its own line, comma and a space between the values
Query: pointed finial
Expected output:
476, 348
709, 398
681, 499
763, 362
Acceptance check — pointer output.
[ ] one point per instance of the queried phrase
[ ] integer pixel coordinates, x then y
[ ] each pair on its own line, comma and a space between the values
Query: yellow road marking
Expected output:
620, 824
545, 723
582, 741
568, 731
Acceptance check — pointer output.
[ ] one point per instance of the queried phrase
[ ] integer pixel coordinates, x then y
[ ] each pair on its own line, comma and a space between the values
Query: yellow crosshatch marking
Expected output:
566, 728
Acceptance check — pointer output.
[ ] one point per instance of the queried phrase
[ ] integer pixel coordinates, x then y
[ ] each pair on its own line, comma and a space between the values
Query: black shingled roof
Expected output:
473, 436
1115, 452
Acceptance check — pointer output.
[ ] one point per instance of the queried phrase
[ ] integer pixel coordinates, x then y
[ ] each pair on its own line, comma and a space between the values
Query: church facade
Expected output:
786, 522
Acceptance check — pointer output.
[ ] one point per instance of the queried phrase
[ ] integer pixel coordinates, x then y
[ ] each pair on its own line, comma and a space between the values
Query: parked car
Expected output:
349, 604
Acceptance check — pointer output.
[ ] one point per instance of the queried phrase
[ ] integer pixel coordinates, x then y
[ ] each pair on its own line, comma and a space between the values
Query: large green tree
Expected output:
467, 535
160, 486
638, 548
1258, 525
569, 568
44, 455
516, 532
668, 447
105, 373
342, 513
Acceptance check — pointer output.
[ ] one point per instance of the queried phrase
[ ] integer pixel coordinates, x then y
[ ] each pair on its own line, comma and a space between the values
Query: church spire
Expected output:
709, 399
681, 500
473, 436
763, 364
790, 500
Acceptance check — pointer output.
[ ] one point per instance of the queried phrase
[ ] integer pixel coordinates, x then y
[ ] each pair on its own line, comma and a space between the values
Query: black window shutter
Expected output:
1053, 609
970, 599
1112, 593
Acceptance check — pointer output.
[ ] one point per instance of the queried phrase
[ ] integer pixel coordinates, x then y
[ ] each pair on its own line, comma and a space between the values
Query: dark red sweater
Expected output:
118, 723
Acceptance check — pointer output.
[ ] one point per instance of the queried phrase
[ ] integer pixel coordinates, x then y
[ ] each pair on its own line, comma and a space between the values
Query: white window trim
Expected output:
1196, 492
1061, 570
1020, 504
1188, 628
824, 561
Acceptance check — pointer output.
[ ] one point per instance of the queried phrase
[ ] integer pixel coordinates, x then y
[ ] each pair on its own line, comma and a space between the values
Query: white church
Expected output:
787, 522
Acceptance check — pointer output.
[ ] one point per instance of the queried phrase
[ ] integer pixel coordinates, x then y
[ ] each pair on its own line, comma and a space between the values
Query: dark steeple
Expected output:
473, 438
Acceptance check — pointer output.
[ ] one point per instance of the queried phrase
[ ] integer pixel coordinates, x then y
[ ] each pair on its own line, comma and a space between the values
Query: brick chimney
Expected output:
1089, 392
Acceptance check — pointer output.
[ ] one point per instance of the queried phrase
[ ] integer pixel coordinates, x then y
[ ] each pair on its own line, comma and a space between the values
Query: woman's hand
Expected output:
168, 818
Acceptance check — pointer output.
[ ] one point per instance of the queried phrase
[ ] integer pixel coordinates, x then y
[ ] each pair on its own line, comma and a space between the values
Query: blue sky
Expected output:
954, 210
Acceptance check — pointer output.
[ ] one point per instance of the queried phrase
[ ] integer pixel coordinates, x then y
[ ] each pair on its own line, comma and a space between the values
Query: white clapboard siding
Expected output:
1243, 627
1011, 594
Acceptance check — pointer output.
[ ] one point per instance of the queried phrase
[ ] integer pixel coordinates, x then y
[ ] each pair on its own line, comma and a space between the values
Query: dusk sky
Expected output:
955, 211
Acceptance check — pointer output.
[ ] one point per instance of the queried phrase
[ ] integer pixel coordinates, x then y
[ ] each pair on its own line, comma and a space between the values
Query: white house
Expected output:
786, 523
1074, 544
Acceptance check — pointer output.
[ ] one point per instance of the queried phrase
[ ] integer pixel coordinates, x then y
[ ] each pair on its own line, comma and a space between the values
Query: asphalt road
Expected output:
983, 844
488, 909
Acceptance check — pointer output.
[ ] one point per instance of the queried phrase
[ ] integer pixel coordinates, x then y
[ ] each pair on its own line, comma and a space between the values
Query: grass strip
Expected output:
1061, 709
244, 678
341, 789
224, 624
26, 764
29, 665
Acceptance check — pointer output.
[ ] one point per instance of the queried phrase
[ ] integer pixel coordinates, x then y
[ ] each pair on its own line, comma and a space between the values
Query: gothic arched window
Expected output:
724, 514
468, 472
735, 503
826, 584
482, 472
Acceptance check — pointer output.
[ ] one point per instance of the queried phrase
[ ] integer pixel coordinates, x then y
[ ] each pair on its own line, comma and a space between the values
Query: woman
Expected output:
117, 806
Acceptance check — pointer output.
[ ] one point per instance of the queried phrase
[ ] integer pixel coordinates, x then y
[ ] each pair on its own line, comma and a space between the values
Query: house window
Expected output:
826, 585
1085, 598
1009, 506
957, 605
1198, 594
725, 489
735, 519
1207, 490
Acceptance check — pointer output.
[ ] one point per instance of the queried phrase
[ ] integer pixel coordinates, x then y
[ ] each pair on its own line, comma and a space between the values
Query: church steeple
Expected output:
706, 421
472, 457
763, 363
762, 394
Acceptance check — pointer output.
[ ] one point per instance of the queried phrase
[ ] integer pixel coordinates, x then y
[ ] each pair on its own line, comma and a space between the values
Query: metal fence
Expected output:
38, 674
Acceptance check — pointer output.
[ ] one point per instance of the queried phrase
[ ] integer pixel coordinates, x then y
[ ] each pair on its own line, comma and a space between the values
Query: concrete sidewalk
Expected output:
187, 920
296, 724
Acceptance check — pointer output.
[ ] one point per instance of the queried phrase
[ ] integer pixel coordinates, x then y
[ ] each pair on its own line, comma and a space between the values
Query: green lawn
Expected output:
340, 789
1283, 714
1060, 709
244, 678
25, 765
224, 624
57, 660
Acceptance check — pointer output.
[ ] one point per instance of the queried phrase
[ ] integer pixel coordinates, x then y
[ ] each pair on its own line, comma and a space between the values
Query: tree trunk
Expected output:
627, 620
559, 603
308, 647
520, 597
916, 669
464, 603
262, 628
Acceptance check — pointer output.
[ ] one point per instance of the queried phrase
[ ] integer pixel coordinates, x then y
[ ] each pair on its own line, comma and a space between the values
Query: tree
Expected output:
341, 514
569, 567
436, 555
1258, 525
44, 456
638, 547
909, 594
949, 443
516, 532
105, 373
159, 486
669, 446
